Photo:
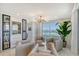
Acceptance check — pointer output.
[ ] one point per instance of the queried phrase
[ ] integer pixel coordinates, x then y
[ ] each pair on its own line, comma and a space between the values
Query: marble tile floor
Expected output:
11, 52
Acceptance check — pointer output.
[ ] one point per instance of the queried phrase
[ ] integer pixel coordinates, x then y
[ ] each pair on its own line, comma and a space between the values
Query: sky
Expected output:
52, 26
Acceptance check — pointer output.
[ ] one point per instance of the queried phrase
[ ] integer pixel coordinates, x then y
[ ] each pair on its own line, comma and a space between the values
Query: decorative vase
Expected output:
64, 44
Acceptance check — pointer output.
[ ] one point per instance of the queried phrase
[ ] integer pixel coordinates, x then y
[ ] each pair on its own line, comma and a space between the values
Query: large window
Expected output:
46, 30
49, 30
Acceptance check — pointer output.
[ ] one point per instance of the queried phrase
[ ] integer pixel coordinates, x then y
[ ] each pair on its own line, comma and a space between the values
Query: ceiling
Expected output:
49, 10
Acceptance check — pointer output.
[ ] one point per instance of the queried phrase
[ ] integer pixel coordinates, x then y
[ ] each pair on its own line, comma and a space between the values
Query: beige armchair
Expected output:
51, 47
40, 40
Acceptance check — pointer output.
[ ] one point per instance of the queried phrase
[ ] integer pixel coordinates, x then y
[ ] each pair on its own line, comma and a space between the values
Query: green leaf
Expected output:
63, 28
68, 26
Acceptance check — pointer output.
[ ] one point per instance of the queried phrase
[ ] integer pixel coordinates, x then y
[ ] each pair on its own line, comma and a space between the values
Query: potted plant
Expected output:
64, 30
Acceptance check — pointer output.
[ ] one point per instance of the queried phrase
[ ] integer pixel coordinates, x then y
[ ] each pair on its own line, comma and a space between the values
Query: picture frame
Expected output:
16, 27
29, 27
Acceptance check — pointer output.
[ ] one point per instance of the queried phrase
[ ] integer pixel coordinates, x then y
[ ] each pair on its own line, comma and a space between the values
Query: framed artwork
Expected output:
16, 27
29, 27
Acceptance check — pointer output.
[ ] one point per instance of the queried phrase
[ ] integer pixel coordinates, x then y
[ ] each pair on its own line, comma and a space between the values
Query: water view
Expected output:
49, 30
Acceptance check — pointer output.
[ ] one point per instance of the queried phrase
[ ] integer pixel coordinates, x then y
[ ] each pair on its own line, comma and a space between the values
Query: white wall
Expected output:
74, 33
78, 32
0, 32
75, 30
34, 31
29, 25
14, 17
15, 37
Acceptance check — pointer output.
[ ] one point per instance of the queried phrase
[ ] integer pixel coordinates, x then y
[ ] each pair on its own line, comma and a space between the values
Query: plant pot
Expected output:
64, 44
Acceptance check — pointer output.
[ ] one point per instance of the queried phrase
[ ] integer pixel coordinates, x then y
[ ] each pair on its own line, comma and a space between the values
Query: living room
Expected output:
24, 23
